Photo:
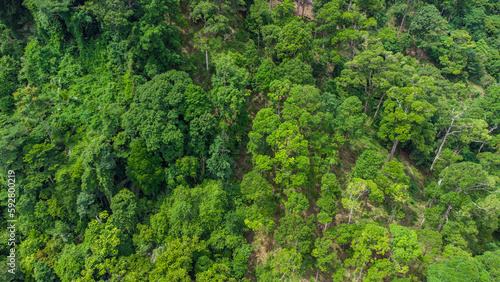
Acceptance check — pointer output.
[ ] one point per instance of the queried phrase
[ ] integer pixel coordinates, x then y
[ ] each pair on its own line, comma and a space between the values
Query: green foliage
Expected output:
105, 242
284, 145
356, 189
428, 26
326, 258
404, 244
372, 239
287, 141
8, 82
392, 42
125, 210
156, 113
296, 203
260, 15
367, 165
197, 211
455, 60
430, 241
351, 117
219, 164
374, 71
296, 71
491, 261
463, 191
283, 12
393, 182
488, 106
229, 93
99, 162
131, 164
71, 262
458, 269
295, 233
174, 261
144, 168
407, 117
156, 41
131, 268
217, 272
266, 73
255, 188
327, 202
344, 25
295, 38
287, 263
43, 273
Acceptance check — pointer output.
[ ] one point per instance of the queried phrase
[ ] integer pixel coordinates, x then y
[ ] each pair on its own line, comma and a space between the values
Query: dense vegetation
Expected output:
210, 140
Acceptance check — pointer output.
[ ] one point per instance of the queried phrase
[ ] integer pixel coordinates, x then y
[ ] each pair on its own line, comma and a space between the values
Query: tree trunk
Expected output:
203, 165
364, 205
206, 58
480, 148
451, 13
368, 90
125, 181
361, 272
303, 7
350, 215
393, 149
445, 217
408, 5
349, 7
324, 36
491, 130
440, 148
378, 106
366, 104
444, 139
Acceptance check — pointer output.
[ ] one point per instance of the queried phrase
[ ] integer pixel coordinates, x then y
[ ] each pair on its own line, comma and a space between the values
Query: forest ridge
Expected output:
249, 140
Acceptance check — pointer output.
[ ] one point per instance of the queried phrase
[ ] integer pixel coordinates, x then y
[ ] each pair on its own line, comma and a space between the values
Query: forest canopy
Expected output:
250, 140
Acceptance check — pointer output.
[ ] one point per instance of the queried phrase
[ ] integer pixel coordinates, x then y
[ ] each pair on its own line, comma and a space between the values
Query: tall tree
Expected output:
428, 26
455, 59
374, 71
407, 117
463, 190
